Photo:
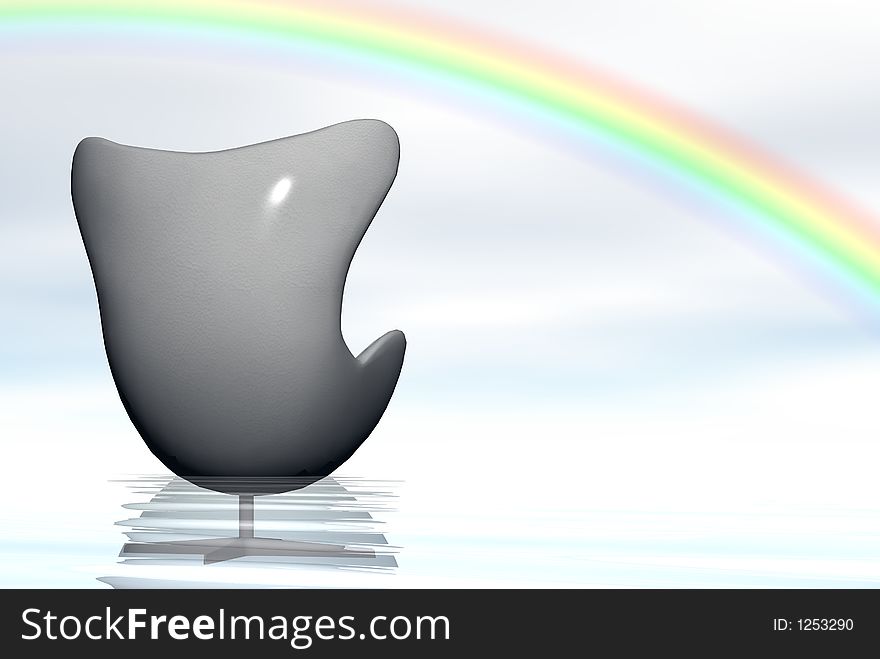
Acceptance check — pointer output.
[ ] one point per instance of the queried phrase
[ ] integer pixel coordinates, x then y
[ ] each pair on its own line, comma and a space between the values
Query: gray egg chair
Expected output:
219, 279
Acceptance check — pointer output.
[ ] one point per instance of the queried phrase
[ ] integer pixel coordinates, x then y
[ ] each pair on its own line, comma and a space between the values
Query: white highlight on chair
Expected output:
280, 191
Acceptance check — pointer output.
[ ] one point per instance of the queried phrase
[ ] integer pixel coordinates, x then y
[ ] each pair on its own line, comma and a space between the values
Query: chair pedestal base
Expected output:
216, 550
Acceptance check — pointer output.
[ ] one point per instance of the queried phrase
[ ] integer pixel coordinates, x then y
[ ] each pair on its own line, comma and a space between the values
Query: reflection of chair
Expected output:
219, 279
215, 550
329, 526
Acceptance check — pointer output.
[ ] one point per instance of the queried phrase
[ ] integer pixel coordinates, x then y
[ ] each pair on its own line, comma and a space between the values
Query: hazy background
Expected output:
603, 369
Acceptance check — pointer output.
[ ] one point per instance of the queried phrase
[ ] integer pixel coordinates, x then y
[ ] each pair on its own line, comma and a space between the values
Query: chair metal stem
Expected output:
245, 515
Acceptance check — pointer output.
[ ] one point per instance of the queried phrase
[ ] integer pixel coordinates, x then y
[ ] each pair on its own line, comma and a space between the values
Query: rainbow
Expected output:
786, 202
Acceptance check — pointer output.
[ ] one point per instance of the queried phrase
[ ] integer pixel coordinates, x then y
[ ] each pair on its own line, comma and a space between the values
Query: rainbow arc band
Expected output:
829, 228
